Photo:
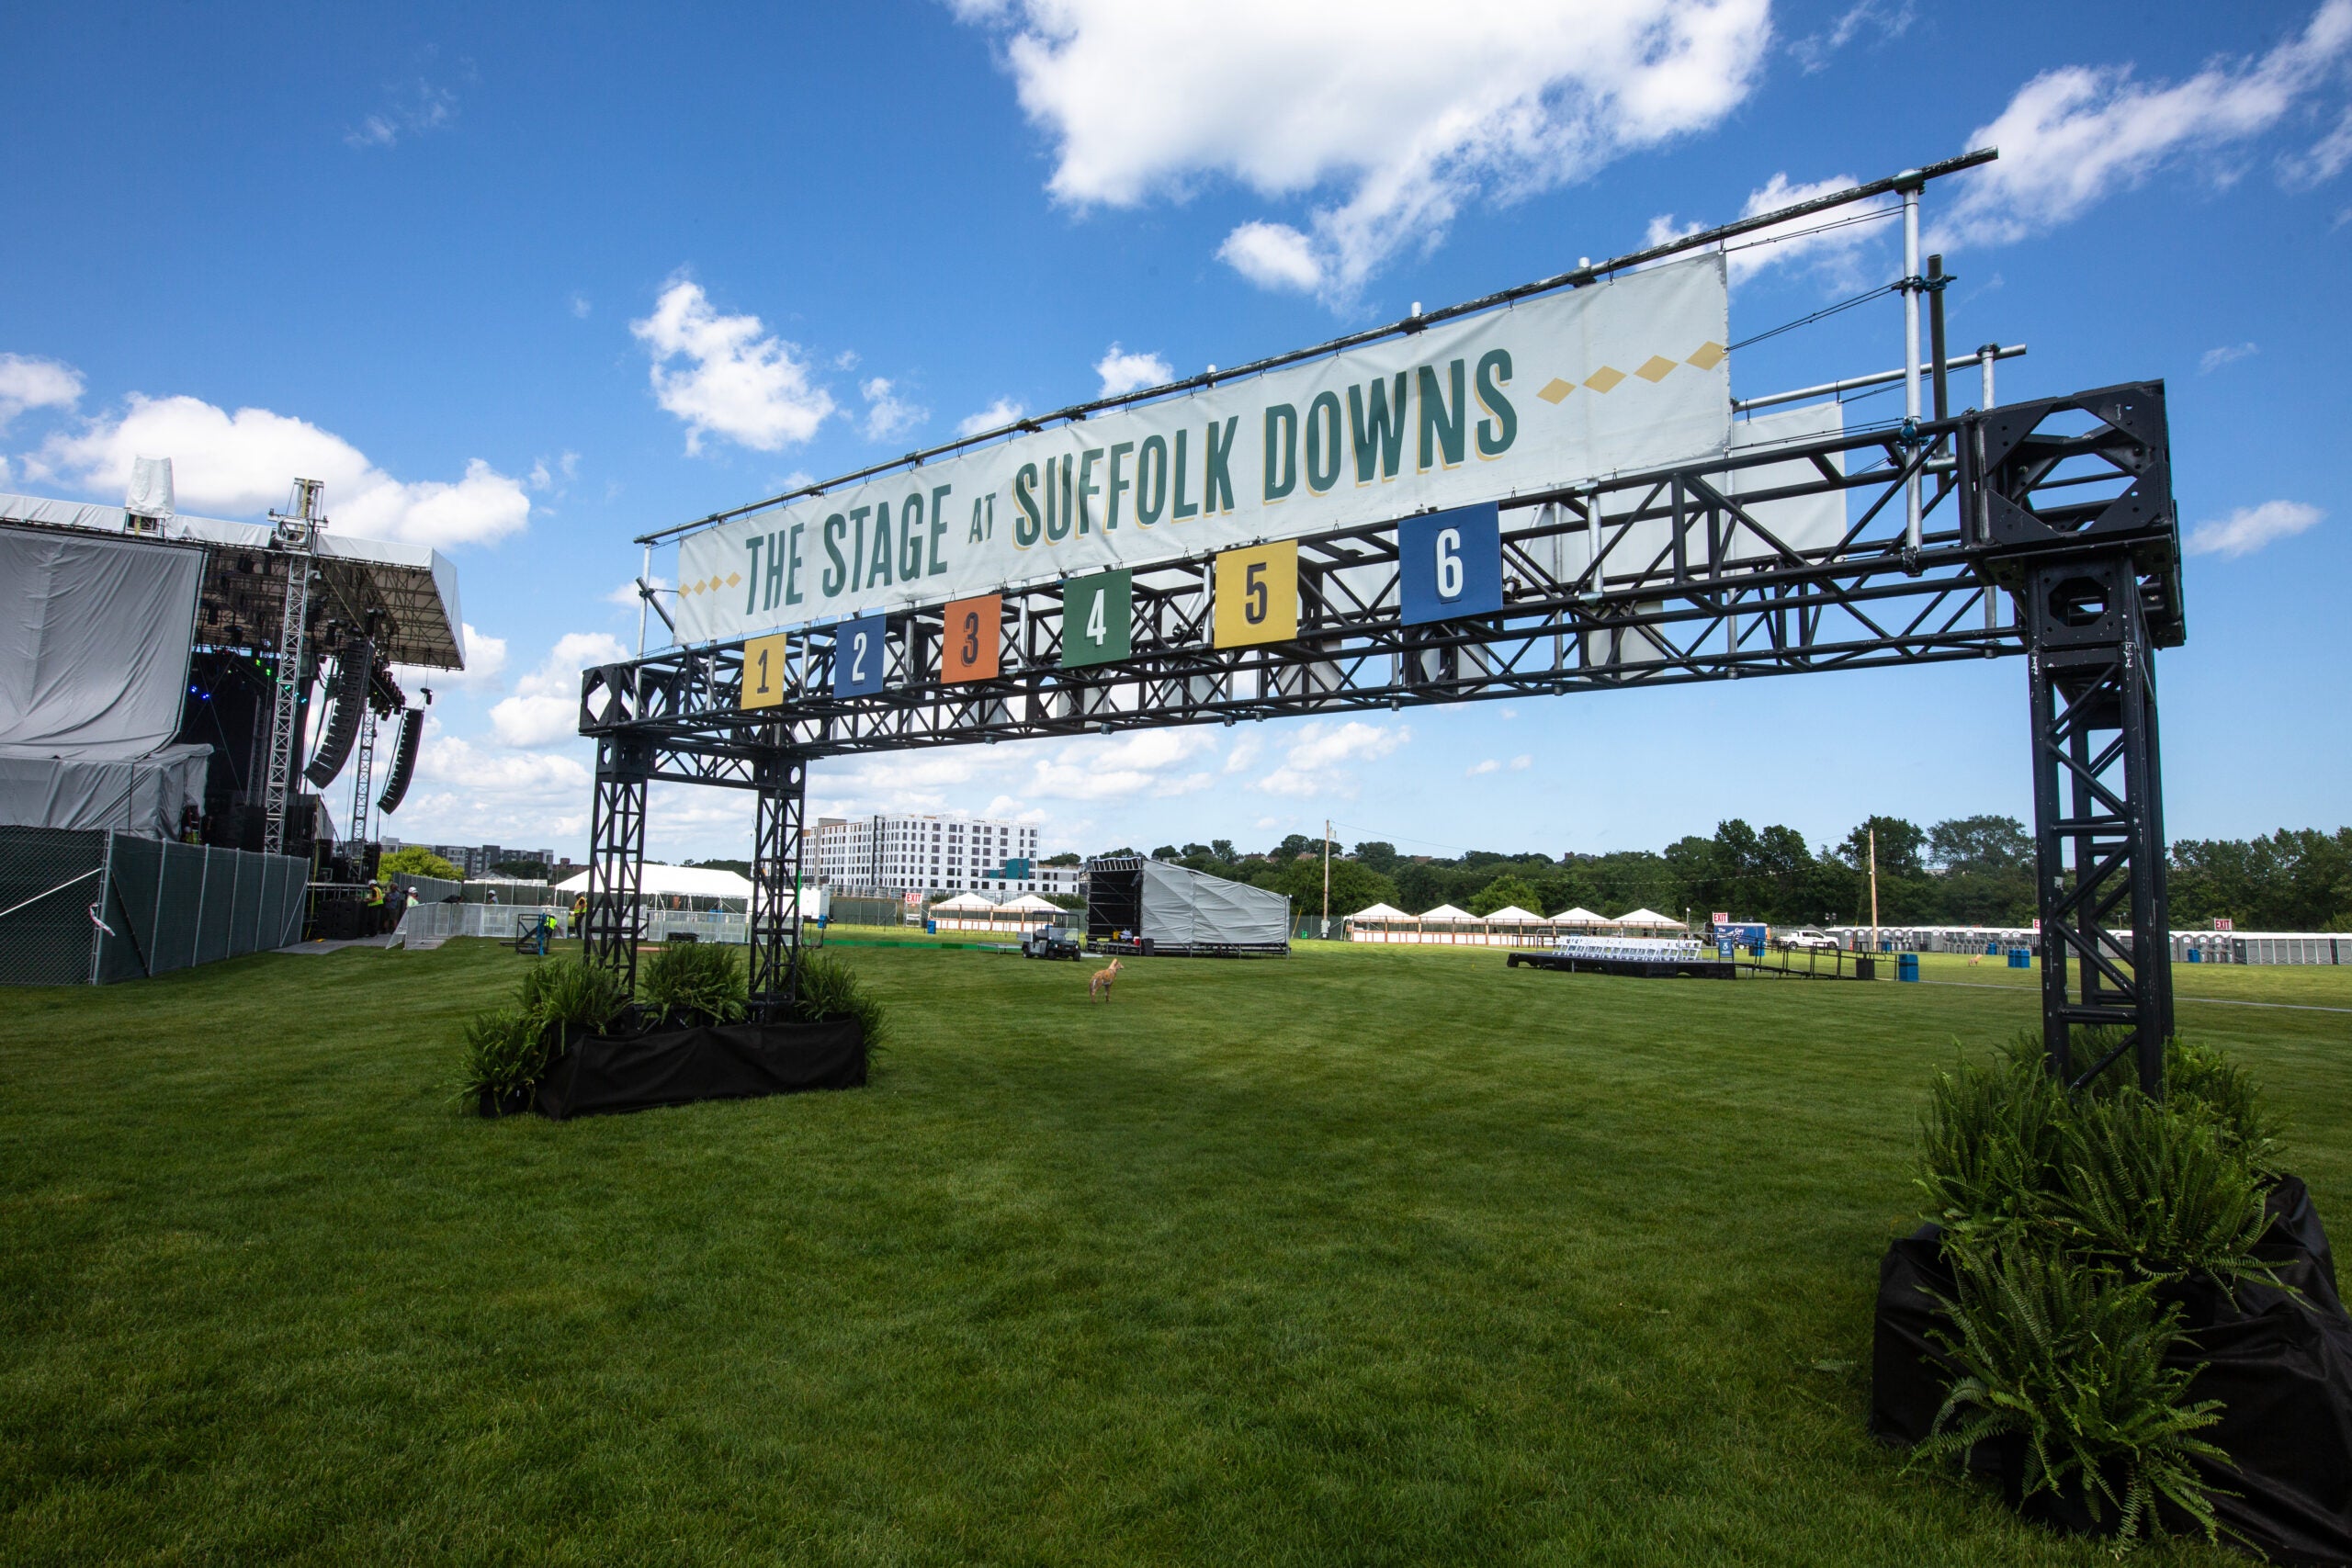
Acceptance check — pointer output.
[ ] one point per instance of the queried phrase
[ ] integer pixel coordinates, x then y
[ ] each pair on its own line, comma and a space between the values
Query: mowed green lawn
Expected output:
1367, 1257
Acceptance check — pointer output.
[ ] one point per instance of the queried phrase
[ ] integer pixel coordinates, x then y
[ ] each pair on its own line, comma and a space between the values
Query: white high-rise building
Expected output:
952, 854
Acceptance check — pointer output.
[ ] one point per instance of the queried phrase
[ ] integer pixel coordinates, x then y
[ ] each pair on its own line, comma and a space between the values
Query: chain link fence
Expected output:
49, 879
82, 907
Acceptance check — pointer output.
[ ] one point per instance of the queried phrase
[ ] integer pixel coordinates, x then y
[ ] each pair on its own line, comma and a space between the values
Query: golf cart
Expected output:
1049, 941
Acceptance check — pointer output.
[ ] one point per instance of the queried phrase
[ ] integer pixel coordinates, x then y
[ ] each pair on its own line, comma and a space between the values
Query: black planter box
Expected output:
602, 1074
2279, 1360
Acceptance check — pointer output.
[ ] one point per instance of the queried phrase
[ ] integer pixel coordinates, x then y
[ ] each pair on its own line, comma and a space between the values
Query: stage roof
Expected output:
413, 586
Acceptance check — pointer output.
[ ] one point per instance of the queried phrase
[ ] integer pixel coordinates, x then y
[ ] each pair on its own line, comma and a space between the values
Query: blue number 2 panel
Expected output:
858, 657
1451, 564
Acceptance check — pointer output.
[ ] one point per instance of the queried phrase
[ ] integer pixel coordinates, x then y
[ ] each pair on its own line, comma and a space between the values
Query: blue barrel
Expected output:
2021, 958
1906, 966
931, 928
2195, 956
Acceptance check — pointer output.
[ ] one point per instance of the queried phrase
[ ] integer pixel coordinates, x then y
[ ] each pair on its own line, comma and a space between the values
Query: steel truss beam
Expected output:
616, 854
1786, 558
777, 852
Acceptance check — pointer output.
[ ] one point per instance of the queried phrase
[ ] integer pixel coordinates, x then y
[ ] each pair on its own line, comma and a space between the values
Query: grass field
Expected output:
1373, 1256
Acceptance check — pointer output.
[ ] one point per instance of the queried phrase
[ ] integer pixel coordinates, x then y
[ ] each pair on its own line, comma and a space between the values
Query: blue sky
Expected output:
524, 282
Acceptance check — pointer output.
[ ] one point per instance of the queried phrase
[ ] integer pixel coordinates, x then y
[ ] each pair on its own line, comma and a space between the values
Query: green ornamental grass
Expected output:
694, 981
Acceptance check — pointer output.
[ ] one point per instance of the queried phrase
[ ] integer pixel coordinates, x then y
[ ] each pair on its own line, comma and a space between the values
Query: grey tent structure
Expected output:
1135, 905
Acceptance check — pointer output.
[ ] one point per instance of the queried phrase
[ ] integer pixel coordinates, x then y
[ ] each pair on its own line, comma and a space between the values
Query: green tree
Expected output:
1222, 849
1065, 858
416, 860
1507, 889
1379, 857
1295, 845
1165, 852
1353, 886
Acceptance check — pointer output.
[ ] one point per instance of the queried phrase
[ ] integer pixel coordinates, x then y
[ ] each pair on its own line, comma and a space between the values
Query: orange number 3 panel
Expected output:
971, 638
1257, 594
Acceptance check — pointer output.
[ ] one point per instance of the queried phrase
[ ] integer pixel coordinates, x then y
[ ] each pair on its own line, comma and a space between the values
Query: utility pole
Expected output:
1873, 888
1327, 876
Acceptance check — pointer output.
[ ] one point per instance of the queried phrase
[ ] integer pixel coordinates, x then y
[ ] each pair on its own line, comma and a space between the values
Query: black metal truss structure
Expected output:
2046, 527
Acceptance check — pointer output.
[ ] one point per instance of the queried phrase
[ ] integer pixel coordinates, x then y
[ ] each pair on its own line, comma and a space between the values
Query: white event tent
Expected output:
1650, 919
692, 887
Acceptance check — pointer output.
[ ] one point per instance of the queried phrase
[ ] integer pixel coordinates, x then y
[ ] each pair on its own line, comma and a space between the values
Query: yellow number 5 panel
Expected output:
1257, 594
764, 673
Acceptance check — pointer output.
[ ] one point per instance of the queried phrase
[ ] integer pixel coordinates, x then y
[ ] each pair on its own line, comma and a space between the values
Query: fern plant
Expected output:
830, 989
2071, 1361
1991, 1141
2158, 1190
702, 979
2212, 1083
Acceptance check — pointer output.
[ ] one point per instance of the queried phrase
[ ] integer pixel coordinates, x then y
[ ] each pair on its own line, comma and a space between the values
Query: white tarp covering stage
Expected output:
93, 652
1184, 908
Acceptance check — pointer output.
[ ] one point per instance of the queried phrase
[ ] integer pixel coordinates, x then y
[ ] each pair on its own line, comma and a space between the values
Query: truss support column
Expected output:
2106, 943
778, 842
616, 854
363, 773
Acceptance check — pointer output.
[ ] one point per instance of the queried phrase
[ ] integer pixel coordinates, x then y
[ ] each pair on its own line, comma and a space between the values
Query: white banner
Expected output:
1574, 385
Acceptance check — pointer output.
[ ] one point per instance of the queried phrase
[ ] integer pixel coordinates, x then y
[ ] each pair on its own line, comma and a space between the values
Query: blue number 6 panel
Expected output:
1451, 564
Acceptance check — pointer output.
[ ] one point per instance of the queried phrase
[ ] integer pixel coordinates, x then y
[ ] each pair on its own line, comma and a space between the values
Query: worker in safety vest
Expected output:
578, 913
375, 909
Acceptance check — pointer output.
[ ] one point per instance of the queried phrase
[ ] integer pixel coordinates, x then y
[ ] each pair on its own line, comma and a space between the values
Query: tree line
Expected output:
1962, 871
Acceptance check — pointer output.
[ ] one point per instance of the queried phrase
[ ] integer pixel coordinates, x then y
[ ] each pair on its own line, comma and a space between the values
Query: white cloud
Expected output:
1122, 372
2212, 359
1521, 763
1146, 763
996, 416
29, 383
541, 796
545, 707
2075, 135
2249, 528
1316, 762
566, 470
580, 306
738, 382
1889, 19
624, 595
411, 108
1828, 241
1399, 119
887, 413
1272, 255
245, 463
485, 664
1484, 765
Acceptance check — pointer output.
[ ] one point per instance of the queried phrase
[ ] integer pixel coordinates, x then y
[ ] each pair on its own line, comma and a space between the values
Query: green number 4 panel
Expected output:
1098, 618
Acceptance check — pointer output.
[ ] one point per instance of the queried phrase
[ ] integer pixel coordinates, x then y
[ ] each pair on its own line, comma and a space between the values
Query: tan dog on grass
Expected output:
1101, 988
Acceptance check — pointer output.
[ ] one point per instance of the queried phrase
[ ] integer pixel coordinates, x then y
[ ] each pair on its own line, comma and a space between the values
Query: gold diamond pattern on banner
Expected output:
734, 578
1654, 369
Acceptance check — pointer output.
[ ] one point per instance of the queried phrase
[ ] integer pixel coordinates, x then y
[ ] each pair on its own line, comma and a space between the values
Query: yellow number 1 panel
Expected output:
1257, 594
764, 673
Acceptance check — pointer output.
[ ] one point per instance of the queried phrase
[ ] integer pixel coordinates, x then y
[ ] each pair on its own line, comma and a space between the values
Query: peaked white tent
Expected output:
1446, 914
1579, 916
1379, 913
1451, 927
662, 883
1512, 915
1649, 920
1029, 903
963, 903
